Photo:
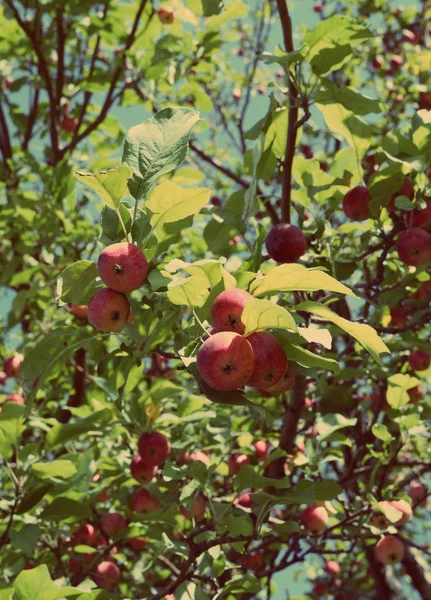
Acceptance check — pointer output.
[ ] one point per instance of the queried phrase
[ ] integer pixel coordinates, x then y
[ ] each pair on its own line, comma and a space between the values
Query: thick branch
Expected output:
78, 385
386, 585
31, 120
293, 413
6, 145
418, 570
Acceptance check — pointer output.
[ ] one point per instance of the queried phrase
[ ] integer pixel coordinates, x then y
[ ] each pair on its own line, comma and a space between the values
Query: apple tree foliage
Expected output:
197, 182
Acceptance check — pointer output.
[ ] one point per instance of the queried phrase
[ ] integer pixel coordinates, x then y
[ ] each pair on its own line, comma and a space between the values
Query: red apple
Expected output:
377, 62
424, 291
141, 471
80, 311
244, 500
142, 501
107, 575
270, 362
332, 567
137, 544
166, 15
236, 461
227, 309
285, 243
108, 310
279, 74
420, 218
419, 360
403, 507
414, 247
425, 100
398, 317
225, 361
7, 82
253, 562
261, 450
285, 383
315, 519
200, 456
415, 394
396, 62
12, 365
389, 550
154, 448
122, 267
199, 506
409, 36
17, 398
236, 95
318, 7
261, 90
69, 124
418, 493
306, 151
113, 523
86, 534
320, 588
3, 378
355, 203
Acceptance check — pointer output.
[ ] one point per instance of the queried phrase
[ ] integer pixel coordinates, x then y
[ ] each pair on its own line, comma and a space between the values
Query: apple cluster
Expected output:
228, 359
122, 268
11, 367
414, 240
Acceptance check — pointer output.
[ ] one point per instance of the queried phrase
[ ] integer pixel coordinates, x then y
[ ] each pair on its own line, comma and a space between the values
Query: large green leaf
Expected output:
157, 146
110, 185
296, 278
264, 314
36, 584
329, 424
349, 98
396, 394
63, 433
62, 469
212, 7
365, 334
76, 280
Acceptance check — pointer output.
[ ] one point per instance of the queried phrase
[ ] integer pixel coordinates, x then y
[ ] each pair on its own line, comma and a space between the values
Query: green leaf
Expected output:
349, 98
250, 198
64, 508
234, 10
381, 432
63, 469
296, 278
110, 185
64, 433
25, 539
365, 334
76, 280
32, 497
328, 424
264, 314
396, 394
212, 7
157, 146
305, 357
326, 490
36, 584
169, 203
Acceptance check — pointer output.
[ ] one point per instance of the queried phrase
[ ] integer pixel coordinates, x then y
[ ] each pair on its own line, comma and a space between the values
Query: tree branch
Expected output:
418, 570
293, 413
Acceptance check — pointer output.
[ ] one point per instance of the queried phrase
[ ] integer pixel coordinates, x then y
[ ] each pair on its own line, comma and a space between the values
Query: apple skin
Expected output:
3, 378
419, 360
425, 101
261, 450
398, 317
315, 519
396, 62
113, 523
141, 471
320, 588
200, 456
389, 550
253, 562
16, 398
108, 310
80, 311
12, 365
355, 203
332, 567
403, 507
225, 361
418, 493
285, 243
122, 267
270, 362
318, 7
236, 95
69, 124
166, 15
198, 508
420, 218
107, 575
154, 448
414, 247
142, 501
236, 461
415, 394
424, 291
244, 500
407, 189
285, 383
86, 534
137, 544
227, 309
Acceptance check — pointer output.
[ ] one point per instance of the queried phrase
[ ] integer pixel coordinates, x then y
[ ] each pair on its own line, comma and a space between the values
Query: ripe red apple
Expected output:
141, 471
137, 544
261, 450
396, 62
380, 521
318, 7
389, 550
7, 82
407, 189
355, 203
199, 506
418, 493
12, 365
69, 124
285, 383
285, 243
398, 317
420, 218
261, 90
107, 575
227, 309
113, 523
225, 361
86, 534
306, 150
236, 461
424, 291
332, 567
108, 310
154, 448
244, 500
377, 62
17, 398
270, 362
320, 588
80, 311
409, 36
315, 519
166, 15
425, 101
253, 562
414, 247
279, 74
3, 378
415, 394
142, 501
122, 267
276, 469
419, 360
200, 456
403, 507
236, 95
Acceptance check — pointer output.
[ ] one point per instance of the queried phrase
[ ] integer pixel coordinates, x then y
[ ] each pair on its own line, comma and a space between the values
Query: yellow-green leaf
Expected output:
264, 314
110, 185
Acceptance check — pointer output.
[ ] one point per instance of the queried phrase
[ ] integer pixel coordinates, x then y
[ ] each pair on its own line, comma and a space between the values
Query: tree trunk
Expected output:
418, 570
387, 586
